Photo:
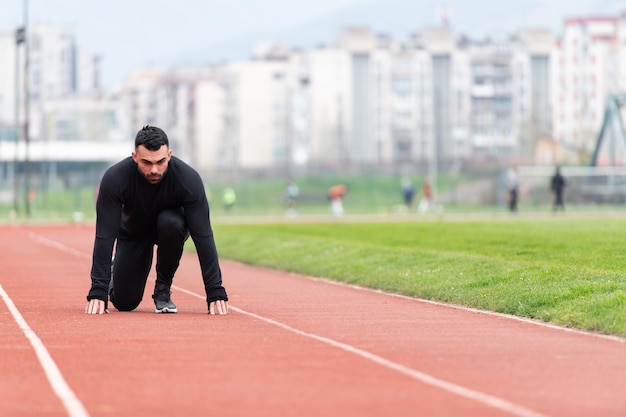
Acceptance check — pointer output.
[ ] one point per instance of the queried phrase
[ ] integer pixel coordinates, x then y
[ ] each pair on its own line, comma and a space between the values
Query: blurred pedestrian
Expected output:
335, 195
407, 193
512, 184
427, 197
557, 186
291, 197
229, 198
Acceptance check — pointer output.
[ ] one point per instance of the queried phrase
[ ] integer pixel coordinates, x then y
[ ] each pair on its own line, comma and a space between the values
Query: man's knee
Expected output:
125, 304
171, 225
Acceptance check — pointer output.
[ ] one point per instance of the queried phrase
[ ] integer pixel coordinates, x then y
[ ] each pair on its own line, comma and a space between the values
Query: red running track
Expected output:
291, 346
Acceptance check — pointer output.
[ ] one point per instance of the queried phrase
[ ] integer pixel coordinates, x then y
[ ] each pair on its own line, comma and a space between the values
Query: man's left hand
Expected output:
218, 307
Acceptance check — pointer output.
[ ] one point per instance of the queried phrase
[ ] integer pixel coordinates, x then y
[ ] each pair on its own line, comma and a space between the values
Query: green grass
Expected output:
53, 206
262, 196
568, 271
367, 193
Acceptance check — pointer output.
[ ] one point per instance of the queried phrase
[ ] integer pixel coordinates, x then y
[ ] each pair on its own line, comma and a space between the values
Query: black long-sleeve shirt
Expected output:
128, 204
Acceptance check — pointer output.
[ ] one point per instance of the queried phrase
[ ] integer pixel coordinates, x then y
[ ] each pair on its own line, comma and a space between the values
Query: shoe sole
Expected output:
166, 310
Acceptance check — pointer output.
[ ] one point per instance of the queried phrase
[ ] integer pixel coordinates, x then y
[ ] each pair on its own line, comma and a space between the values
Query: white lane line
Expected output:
72, 404
459, 390
487, 399
57, 245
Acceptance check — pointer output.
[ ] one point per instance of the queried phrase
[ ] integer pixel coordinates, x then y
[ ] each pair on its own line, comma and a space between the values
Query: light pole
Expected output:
26, 112
20, 37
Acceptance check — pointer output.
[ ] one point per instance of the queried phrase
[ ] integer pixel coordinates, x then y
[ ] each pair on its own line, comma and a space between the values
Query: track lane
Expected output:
194, 364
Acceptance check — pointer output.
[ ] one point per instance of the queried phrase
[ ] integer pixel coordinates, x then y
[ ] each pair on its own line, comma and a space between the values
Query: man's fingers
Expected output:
95, 306
219, 307
91, 307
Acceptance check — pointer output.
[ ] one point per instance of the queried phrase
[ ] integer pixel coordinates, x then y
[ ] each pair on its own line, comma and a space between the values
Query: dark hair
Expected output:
151, 137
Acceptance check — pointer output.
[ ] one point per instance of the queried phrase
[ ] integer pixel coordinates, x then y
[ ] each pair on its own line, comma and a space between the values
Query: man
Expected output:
407, 193
513, 187
291, 196
335, 195
151, 198
557, 185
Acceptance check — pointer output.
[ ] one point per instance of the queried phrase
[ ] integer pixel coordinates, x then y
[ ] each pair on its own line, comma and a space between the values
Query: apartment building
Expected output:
243, 117
8, 80
586, 70
58, 70
532, 80
164, 98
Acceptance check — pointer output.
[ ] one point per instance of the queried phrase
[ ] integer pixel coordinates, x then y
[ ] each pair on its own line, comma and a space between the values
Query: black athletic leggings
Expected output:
133, 259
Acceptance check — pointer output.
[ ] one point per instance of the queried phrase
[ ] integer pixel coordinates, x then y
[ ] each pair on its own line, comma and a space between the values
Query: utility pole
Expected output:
26, 112
20, 37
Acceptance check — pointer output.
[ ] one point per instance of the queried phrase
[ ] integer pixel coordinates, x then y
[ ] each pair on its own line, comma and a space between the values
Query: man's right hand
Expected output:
95, 306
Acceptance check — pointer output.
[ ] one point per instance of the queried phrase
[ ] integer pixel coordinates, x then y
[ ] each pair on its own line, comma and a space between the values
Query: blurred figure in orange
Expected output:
427, 195
335, 195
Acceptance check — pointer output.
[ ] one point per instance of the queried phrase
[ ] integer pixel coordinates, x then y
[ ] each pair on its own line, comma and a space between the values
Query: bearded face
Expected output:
152, 165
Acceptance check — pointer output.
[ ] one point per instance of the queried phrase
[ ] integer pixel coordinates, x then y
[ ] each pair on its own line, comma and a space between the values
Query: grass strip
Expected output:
565, 271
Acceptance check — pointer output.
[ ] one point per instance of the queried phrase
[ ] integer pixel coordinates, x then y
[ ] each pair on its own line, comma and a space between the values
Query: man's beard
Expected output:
153, 178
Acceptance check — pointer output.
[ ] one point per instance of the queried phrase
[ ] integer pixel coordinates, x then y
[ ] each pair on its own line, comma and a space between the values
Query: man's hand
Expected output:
218, 307
95, 306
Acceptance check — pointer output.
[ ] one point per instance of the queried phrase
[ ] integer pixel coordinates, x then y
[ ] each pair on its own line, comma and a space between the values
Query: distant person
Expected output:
557, 186
229, 197
512, 185
150, 198
336, 194
427, 197
291, 197
407, 193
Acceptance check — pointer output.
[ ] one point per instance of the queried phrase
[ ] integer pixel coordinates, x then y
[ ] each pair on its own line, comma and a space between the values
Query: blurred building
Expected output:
7, 85
586, 71
66, 111
372, 102
164, 98
364, 102
58, 69
532, 77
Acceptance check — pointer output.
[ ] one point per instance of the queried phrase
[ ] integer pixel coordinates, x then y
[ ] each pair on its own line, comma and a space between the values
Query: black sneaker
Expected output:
163, 303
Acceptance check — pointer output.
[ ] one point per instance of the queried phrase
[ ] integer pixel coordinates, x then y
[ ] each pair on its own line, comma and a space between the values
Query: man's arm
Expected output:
109, 213
216, 296
198, 222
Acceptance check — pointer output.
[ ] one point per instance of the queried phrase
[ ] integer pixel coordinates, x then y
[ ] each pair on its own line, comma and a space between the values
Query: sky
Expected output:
131, 34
